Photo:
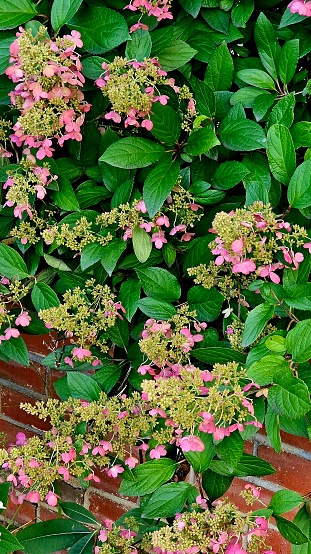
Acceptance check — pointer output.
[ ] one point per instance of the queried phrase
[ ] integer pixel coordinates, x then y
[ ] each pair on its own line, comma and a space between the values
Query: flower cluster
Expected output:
300, 6
195, 400
223, 529
24, 185
12, 312
48, 76
83, 436
158, 8
84, 314
251, 242
132, 89
4, 127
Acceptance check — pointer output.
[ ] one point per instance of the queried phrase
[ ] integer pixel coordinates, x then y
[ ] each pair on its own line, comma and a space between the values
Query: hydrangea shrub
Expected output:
155, 163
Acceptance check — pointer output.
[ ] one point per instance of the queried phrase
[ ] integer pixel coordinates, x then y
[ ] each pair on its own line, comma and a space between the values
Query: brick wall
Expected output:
28, 384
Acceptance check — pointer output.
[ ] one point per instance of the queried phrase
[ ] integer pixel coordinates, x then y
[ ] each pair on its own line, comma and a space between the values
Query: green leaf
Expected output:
303, 522
268, 47
85, 545
256, 78
301, 134
119, 333
219, 73
139, 46
82, 386
65, 197
289, 396
241, 12
157, 309
229, 174
191, 6
206, 302
15, 12
299, 189
263, 370
289, 18
243, 135
272, 425
215, 485
141, 243
166, 124
56, 263
288, 60
122, 194
78, 513
132, 152
101, 29
200, 461
159, 283
4, 494
148, 477
112, 253
281, 153
129, 296
252, 465
230, 449
168, 500
256, 322
284, 501
11, 263
5, 43
107, 377
290, 531
51, 536
175, 55
262, 103
93, 67
298, 341
218, 354
62, 11
299, 296
283, 111
201, 141
204, 97
158, 185
8, 542
91, 254
43, 297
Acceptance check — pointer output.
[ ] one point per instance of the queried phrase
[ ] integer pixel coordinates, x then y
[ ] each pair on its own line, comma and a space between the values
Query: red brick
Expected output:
10, 406
10, 430
39, 344
46, 513
299, 442
277, 542
104, 507
26, 512
292, 472
32, 377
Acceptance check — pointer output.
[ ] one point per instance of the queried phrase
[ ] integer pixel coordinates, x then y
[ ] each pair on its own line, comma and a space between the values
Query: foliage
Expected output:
155, 223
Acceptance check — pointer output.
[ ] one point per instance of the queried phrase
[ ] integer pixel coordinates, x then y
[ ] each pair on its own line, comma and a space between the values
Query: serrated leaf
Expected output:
289, 396
206, 303
82, 386
288, 60
62, 11
219, 74
201, 141
141, 244
263, 370
168, 500
290, 531
159, 283
256, 78
229, 174
243, 135
11, 263
43, 297
132, 152
166, 124
101, 29
272, 424
139, 46
91, 254
215, 485
15, 12
112, 253
299, 188
255, 322
284, 501
129, 296
157, 309
281, 153
298, 341
158, 185
268, 47
148, 477
175, 55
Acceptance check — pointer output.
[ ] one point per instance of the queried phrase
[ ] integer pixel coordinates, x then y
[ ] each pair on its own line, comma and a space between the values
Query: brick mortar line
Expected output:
262, 440
24, 426
109, 496
33, 357
19, 388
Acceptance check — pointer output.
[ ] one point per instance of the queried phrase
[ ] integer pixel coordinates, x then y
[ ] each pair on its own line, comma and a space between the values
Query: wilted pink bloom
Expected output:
244, 266
11, 333
131, 462
33, 497
115, 470
157, 452
23, 319
191, 443
81, 353
51, 498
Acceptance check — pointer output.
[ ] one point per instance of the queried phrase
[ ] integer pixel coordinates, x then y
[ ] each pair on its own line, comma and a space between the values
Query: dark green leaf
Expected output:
288, 60
62, 11
11, 263
281, 153
268, 47
139, 46
9, 542
16, 350
168, 500
166, 124
219, 74
51, 536
82, 386
159, 283
43, 297
148, 477
175, 55
272, 424
243, 134
290, 531
91, 253
78, 513
158, 185
112, 253
255, 322
299, 189
157, 309
298, 341
215, 485
201, 141
206, 302
129, 296
15, 12
132, 152
289, 396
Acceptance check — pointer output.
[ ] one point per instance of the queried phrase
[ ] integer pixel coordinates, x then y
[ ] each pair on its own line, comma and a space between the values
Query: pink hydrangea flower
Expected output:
51, 498
157, 452
191, 443
114, 471
23, 319
81, 353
